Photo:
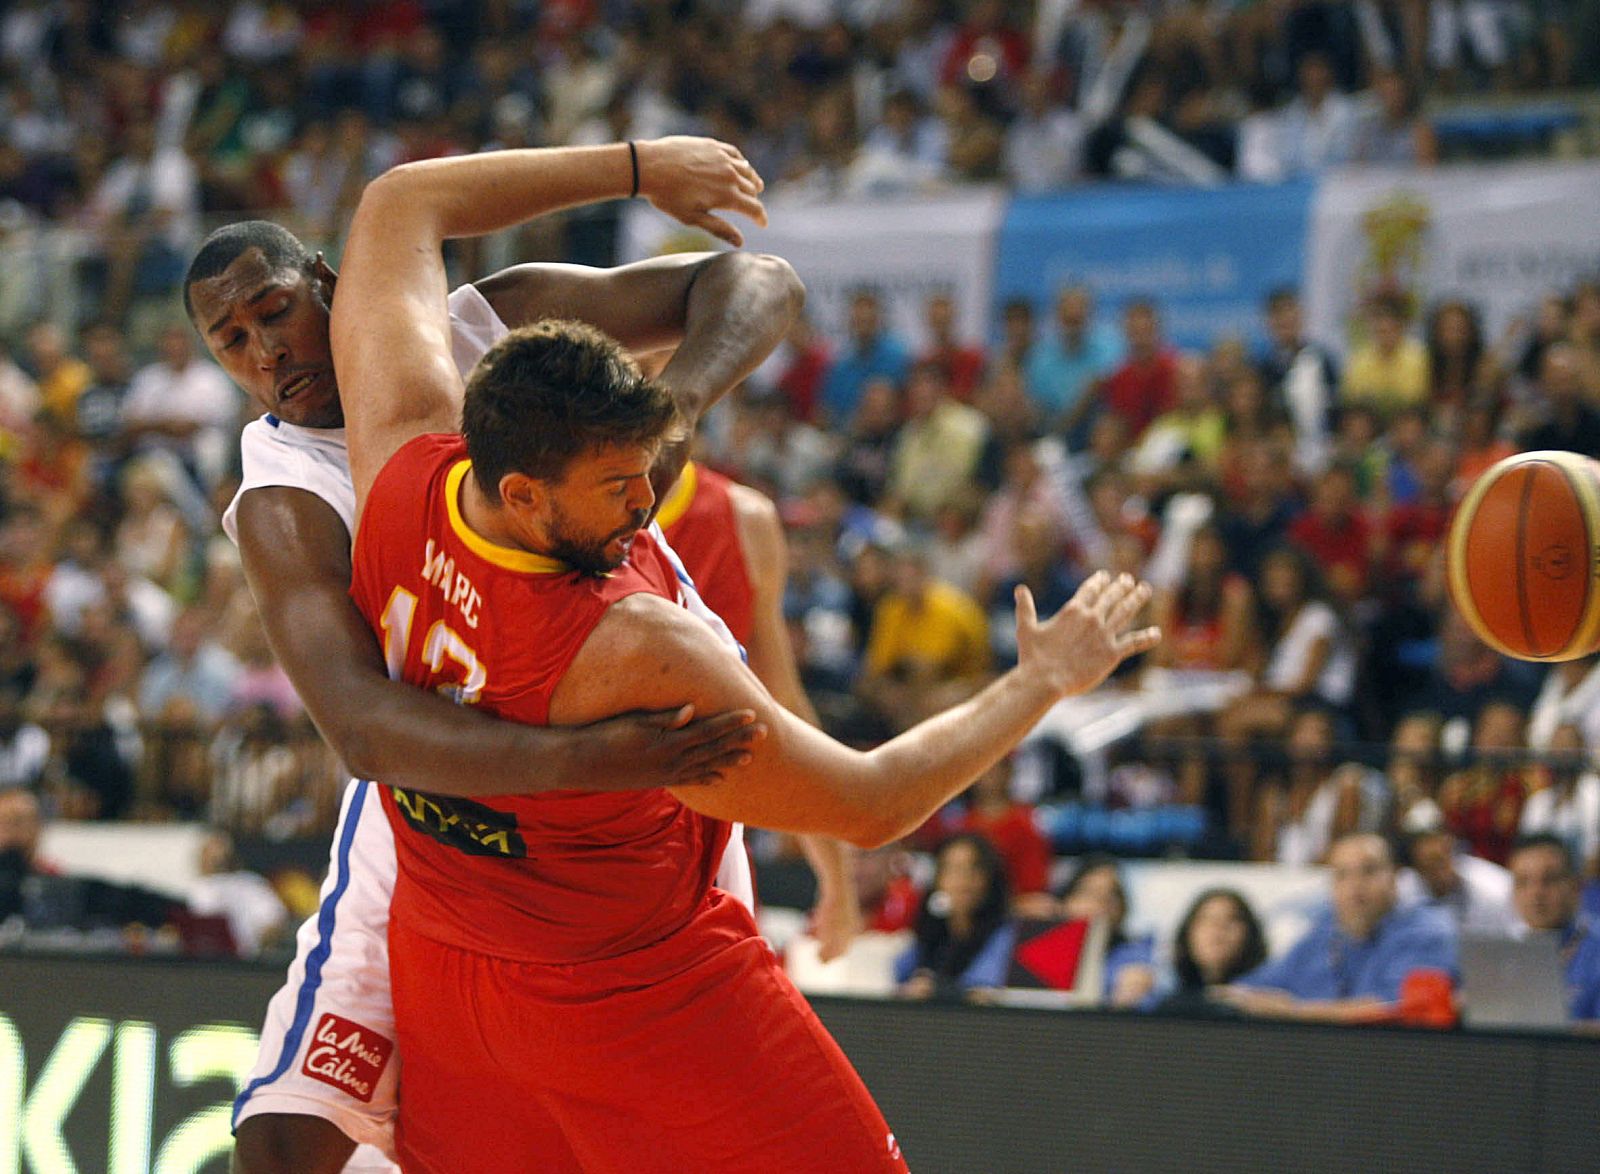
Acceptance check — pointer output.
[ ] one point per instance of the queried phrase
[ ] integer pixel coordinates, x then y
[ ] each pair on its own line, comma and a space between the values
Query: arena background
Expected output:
997, 154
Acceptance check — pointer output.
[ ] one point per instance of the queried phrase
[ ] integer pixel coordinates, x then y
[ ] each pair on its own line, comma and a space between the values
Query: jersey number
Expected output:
443, 643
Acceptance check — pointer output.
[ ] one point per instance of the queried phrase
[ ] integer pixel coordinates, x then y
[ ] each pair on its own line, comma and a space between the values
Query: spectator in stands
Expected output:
1349, 967
1017, 333
964, 939
1256, 520
1483, 803
1568, 806
1461, 367
1388, 371
1219, 939
255, 915
194, 668
1389, 126
1545, 889
1044, 143
1563, 419
963, 364
929, 644
907, 151
24, 746
1301, 375
1094, 891
1186, 442
872, 353
1570, 695
1413, 770
1309, 658
146, 213
185, 406
869, 445
1145, 385
1064, 370
1207, 624
1482, 443
59, 375
806, 359
1319, 125
990, 810
1474, 893
153, 540
1321, 802
20, 828
937, 451
1333, 531
1026, 492
98, 415
888, 896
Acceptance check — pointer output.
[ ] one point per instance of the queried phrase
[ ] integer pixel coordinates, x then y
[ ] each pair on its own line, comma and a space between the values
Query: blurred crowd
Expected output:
134, 120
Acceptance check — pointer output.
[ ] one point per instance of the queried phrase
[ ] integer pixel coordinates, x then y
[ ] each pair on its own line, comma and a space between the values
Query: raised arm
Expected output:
390, 324
296, 556
647, 652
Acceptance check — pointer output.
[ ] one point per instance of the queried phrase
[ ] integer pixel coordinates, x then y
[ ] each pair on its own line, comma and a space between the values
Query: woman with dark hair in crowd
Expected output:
1219, 938
1310, 657
1460, 366
963, 936
1094, 891
1208, 627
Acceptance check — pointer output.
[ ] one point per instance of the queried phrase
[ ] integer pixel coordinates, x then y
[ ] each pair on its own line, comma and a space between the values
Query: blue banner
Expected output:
1207, 257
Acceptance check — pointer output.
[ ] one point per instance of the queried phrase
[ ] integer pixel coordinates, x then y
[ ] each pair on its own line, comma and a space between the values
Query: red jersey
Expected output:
560, 877
698, 519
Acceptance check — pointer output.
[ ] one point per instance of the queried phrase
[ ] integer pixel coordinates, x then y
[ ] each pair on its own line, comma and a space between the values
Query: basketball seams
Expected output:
1520, 546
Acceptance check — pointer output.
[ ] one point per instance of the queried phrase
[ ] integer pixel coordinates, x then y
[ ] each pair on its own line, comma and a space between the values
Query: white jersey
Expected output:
327, 1046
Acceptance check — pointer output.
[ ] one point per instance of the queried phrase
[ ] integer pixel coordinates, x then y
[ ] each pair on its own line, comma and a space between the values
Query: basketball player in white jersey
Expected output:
325, 1076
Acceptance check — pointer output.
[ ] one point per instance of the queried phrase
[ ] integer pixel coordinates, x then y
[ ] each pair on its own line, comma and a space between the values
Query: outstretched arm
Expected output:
648, 652
390, 324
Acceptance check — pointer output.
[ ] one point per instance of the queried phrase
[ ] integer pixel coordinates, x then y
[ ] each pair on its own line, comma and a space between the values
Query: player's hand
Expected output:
835, 922
1081, 644
666, 748
690, 178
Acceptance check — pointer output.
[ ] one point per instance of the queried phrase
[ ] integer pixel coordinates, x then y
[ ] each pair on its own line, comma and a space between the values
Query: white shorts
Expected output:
327, 1046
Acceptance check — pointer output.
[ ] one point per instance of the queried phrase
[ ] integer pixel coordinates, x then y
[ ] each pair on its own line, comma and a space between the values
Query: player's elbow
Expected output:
765, 280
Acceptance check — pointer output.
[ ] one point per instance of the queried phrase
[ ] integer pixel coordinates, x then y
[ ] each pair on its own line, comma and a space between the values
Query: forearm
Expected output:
936, 760
470, 195
740, 306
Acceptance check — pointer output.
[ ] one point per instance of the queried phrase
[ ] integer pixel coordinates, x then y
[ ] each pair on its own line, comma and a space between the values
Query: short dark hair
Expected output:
282, 249
1282, 295
1546, 840
548, 392
1252, 951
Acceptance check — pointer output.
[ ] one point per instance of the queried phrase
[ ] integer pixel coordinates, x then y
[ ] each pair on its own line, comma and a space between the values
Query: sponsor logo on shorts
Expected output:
348, 1056
473, 828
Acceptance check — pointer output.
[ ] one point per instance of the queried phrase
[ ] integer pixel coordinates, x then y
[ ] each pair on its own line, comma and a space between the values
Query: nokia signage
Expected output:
123, 1067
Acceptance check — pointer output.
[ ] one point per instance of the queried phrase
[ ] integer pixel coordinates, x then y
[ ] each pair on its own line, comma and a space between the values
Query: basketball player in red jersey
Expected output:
731, 541
570, 992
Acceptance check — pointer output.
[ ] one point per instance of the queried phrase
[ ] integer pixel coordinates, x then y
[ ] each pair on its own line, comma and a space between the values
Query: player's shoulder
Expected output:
751, 505
645, 627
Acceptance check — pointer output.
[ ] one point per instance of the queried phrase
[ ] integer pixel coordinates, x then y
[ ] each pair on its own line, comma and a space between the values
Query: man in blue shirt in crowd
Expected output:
1545, 887
1062, 371
873, 353
1349, 966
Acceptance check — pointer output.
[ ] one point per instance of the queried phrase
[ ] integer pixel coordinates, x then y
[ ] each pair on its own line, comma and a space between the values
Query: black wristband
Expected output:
633, 157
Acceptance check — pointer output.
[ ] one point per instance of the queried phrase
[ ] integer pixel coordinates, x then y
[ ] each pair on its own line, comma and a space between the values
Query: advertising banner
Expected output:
1207, 257
906, 248
1498, 237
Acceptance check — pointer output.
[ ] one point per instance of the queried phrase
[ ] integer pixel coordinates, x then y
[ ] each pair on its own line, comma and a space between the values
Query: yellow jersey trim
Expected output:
509, 558
678, 497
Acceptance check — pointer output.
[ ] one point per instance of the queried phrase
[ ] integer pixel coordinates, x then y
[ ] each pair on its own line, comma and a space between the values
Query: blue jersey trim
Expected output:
271, 419
318, 957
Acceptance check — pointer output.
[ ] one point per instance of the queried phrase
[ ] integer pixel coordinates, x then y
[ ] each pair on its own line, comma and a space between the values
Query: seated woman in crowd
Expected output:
1310, 658
1208, 637
963, 936
1095, 891
1219, 939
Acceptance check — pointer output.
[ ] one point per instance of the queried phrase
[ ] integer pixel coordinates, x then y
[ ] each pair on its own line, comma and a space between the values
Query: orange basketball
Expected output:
1523, 553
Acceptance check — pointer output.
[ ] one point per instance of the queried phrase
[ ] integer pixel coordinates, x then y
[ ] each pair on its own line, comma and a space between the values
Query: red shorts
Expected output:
715, 1062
